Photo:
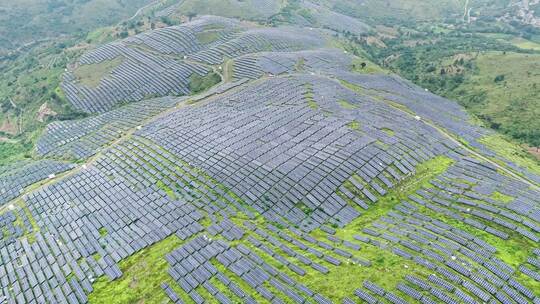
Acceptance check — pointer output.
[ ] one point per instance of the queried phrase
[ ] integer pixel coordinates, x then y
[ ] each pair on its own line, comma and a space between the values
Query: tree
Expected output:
123, 34
499, 78
191, 15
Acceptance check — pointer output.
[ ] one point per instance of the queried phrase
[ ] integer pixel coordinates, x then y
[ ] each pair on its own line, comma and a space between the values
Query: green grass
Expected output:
364, 66
388, 131
300, 64
142, 275
312, 104
510, 106
91, 74
354, 125
198, 84
342, 280
228, 70
100, 35
511, 152
387, 269
102, 231
30, 235
525, 44
513, 251
360, 62
347, 105
501, 197
170, 192
424, 173
207, 36
13, 151
310, 97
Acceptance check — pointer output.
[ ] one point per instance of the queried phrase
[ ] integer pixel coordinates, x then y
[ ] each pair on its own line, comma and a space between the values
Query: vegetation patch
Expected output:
502, 91
513, 251
364, 66
511, 152
501, 197
142, 276
91, 75
198, 83
424, 173
348, 276
387, 268
388, 131
207, 37
300, 64
103, 231
170, 192
354, 125
228, 70
308, 95
347, 105
525, 44
10, 151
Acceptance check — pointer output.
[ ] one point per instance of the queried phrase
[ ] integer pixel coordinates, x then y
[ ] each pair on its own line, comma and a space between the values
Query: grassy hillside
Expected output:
503, 90
494, 75
30, 94
401, 10
248, 9
25, 21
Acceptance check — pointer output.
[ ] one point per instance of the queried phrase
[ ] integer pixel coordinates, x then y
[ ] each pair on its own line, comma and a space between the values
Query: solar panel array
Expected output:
161, 62
328, 61
14, 179
266, 183
81, 139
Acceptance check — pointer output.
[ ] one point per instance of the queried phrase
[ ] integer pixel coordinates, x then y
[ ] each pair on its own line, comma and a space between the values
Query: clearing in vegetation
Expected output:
91, 74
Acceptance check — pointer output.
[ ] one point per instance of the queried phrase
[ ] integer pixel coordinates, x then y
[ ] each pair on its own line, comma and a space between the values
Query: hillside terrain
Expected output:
493, 75
26, 22
268, 151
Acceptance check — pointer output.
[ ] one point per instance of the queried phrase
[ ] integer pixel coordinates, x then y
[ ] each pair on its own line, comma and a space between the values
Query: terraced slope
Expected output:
163, 62
294, 180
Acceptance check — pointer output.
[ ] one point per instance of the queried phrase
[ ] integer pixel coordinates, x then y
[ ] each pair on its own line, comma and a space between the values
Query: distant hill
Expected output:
26, 21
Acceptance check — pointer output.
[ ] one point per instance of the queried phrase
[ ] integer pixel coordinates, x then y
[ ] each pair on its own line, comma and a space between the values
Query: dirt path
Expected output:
139, 11
466, 12
204, 97
452, 138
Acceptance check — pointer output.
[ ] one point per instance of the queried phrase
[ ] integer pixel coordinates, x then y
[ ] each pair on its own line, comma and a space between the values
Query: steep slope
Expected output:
164, 61
292, 180
24, 22
244, 9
